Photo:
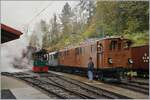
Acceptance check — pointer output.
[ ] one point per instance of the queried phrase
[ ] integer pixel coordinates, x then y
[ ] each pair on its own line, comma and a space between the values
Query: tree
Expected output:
65, 18
54, 27
135, 16
45, 34
87, 7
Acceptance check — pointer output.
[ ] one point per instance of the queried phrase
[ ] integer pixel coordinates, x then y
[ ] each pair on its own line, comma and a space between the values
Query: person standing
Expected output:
90, 69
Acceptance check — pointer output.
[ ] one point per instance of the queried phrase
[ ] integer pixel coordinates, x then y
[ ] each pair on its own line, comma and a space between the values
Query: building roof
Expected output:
8, 33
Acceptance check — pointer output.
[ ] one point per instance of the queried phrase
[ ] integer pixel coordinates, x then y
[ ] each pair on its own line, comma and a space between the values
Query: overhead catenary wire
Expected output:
38, 14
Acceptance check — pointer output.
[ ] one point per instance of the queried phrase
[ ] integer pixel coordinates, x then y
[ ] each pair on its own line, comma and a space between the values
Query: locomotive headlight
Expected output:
110, 60
130, 61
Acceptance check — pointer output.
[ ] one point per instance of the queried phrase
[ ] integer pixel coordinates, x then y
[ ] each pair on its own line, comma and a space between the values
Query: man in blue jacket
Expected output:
90, 69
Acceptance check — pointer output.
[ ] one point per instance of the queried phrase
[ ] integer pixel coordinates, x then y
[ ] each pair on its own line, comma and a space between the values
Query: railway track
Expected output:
132, 88
91, 89
60, 87
53, 90
77, 88
140, 83
141, 88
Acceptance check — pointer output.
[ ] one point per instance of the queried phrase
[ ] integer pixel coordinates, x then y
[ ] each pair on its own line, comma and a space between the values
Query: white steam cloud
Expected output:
12, 59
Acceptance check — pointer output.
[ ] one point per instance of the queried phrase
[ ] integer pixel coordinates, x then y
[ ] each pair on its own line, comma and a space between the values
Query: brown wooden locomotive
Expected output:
110, 56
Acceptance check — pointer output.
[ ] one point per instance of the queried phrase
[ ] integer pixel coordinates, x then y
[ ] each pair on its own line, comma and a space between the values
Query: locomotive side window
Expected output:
119, 46
92, 48
100, 48
55, 56
47, 57
67, 52
51, 57
59, 53
127, 44
64, 53
80, 50
113, 45
77, 51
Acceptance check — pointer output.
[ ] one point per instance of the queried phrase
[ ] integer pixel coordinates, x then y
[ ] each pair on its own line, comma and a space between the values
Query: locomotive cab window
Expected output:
100, 47
113, 45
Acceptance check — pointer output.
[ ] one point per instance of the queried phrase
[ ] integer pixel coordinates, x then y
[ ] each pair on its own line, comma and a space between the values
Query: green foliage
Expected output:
125, 18
139, 38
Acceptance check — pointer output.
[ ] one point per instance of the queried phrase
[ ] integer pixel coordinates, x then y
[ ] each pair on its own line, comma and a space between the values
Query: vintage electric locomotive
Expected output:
111, 57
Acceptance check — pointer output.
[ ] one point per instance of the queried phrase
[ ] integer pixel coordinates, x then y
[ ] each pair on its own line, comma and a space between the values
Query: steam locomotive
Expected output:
40, 62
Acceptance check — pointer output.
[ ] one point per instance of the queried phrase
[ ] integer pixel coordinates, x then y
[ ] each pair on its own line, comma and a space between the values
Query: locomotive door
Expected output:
99, 56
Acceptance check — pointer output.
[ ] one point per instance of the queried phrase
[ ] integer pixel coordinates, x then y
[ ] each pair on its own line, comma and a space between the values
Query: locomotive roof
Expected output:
141, 46
113, 37
42, 51
92, 41
51, 53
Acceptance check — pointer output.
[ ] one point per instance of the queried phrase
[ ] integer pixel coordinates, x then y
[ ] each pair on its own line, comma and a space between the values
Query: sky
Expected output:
19, 13
16, 14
